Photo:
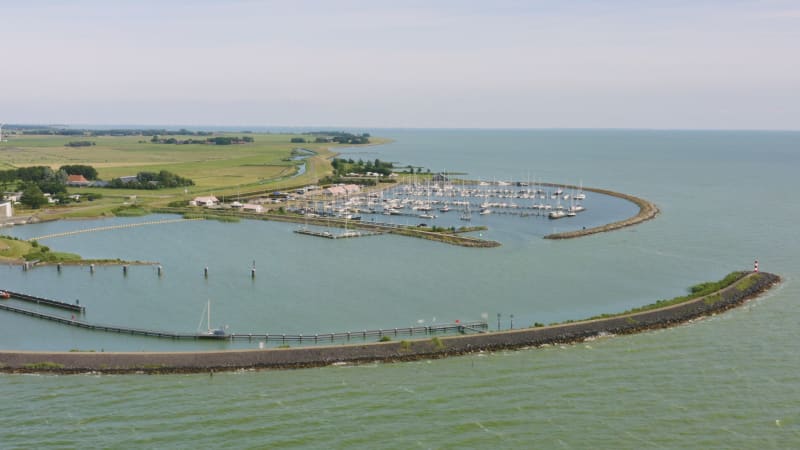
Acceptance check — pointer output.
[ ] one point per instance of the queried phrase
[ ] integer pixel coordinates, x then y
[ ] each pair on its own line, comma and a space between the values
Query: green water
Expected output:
730, 381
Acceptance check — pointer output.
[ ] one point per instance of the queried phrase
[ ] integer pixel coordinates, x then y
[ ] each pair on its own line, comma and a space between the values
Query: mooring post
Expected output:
160, 270
58, 267
125, 270
91, 268
205, 272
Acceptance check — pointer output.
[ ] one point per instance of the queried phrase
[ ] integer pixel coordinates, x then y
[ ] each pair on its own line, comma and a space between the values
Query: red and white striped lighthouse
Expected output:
755, 266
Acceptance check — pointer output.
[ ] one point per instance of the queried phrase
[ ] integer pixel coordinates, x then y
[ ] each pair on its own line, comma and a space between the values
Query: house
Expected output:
252, 207
204, 201
352, 188
440, 178
128, 179
335, 190
77, 180
6, 210
13, 197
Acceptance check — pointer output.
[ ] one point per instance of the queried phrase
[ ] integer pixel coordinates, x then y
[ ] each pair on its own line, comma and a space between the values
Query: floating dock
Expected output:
46, 301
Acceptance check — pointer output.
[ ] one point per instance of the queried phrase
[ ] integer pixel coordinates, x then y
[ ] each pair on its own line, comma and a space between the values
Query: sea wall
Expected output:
748, 287
647, 211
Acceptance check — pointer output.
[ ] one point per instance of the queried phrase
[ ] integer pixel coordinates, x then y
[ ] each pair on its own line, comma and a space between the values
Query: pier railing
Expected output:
444, 328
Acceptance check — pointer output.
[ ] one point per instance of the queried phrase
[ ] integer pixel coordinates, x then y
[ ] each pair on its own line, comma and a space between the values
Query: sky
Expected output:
691, 64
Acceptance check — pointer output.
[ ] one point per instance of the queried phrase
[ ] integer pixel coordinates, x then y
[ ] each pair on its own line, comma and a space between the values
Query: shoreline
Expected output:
749, 286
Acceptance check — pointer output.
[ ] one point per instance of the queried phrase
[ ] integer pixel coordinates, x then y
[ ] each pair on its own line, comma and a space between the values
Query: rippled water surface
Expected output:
727, 381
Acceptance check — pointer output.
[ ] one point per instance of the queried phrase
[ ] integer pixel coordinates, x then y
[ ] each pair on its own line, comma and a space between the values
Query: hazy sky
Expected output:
523, 64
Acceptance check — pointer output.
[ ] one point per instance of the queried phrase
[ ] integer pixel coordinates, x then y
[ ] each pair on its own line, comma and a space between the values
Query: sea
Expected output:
728, 381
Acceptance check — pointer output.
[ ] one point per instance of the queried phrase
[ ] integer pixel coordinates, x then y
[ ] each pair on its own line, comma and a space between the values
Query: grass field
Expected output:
217, 169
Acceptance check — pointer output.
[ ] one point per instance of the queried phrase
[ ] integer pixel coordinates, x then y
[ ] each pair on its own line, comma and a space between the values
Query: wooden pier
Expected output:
329, 235
46, 302
110, 227
445, 328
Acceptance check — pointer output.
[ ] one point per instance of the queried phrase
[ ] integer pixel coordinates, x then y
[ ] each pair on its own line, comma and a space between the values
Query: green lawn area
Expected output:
219, 169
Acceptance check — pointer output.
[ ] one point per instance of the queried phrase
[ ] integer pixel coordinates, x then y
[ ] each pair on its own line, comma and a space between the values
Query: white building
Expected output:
6, 210
204, 201
252, 207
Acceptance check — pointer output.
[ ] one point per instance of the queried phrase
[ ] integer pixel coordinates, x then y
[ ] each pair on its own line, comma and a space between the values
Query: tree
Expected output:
33, 197
88, 172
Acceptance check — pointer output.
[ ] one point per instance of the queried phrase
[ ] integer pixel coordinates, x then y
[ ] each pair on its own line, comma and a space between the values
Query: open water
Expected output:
730, 381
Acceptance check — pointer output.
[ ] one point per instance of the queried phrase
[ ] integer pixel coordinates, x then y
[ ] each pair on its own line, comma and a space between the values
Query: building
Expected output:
77, 180
204, 201
13, 197
129, 179
6, 210
252, 207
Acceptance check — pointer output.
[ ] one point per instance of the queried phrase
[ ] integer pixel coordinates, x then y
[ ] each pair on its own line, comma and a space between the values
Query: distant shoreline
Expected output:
748, 286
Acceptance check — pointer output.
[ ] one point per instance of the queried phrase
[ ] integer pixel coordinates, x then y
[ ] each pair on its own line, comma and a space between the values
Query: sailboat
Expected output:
210, 333
466, 215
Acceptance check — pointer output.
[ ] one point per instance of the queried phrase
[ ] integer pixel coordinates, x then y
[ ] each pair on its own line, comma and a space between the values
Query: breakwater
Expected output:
445, 237
749, 286
647, 211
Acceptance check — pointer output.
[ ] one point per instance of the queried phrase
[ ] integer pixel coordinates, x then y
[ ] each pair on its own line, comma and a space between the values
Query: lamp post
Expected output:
498, 321
512, 321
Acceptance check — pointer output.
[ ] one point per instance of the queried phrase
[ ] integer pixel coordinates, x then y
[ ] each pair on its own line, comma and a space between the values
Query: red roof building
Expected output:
77, 180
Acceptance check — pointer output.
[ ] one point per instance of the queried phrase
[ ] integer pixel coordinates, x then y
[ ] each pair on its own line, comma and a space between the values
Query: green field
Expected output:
215, 169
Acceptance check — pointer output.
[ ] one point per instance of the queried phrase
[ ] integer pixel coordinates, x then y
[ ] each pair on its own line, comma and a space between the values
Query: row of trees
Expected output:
343, 166
79, 144
218, 140
111, 132
151, 180
339, 137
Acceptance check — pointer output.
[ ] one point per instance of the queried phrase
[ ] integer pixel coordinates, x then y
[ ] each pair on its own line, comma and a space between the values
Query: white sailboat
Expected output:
467, 216
215, 333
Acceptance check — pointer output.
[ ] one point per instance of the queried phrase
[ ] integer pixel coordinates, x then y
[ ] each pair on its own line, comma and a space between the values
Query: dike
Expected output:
747, 287
647, 211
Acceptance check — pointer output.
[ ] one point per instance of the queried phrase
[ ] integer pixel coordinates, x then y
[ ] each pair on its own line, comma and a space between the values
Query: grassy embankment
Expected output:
13, 250
697, 291
221, 170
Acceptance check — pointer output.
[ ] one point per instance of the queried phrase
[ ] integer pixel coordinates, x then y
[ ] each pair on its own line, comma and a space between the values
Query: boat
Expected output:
557, 214
210, 333
467, 216
485, 211
444, 208
5, 295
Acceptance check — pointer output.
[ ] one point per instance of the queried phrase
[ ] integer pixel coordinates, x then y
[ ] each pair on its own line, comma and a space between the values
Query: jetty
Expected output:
347, 336
343, 235
44, 301
110, 227
746, 288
